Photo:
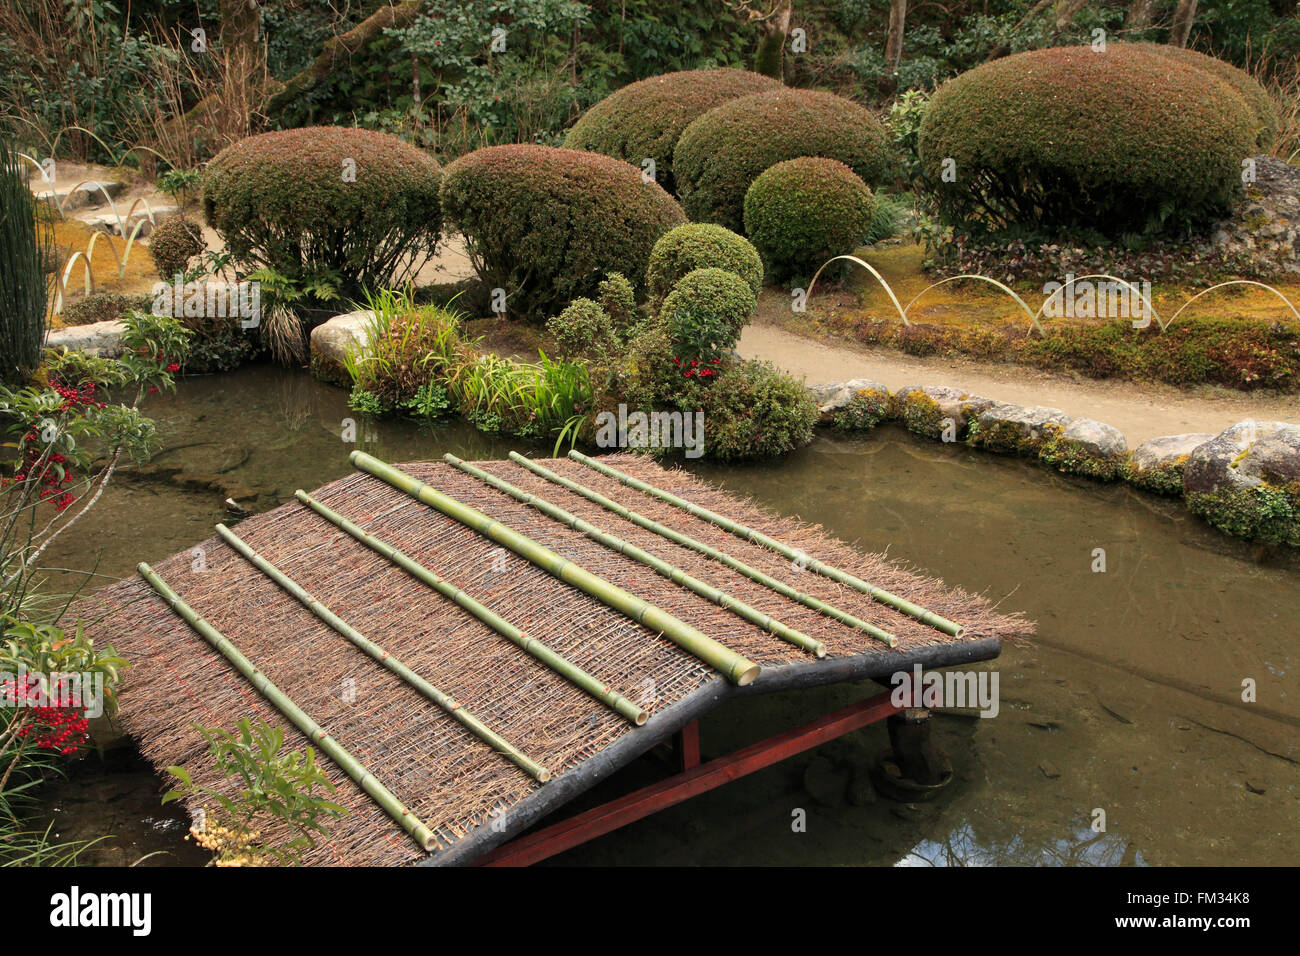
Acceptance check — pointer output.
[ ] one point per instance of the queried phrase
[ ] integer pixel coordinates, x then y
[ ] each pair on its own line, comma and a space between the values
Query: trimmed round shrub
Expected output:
802, 212
172, 244
700, 245
325, 199
723, 151
1266, 118
706, 312
546, 224
752, 411
582, 330
617, 296
104, 307
645, 119
1117, 142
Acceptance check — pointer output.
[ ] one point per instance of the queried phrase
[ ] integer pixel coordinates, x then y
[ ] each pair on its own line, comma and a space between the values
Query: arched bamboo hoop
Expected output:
1099, 275
1262, 285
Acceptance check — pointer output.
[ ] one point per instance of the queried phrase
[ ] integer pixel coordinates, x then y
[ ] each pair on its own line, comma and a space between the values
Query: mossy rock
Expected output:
1265, 512
933, 410
865, 410
1017, 429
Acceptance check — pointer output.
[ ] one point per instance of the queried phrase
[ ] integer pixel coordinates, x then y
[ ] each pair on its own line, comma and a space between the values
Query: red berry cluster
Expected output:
692, 368
74, 397
52, 728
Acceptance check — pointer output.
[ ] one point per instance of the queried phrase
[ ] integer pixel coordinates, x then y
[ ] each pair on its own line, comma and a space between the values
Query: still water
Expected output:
1123, 736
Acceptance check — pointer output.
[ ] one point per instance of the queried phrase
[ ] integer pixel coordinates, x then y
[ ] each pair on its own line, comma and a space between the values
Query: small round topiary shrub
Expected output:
645, 119
723, 151
1266, 118
751, 411
705, 313
326, 199
700, 245
1070, 139
583, 330
172, 244
547, 224
802, 212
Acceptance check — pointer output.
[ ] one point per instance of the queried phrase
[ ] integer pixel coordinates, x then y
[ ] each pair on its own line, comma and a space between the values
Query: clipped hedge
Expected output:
645, 119
802, 212
173, 244
324, 199
1261, 104
1118, 142
700, 245
546, 224
726, 149
706, 312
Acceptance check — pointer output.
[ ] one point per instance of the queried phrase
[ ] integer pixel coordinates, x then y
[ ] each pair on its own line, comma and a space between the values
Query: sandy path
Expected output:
1140, 411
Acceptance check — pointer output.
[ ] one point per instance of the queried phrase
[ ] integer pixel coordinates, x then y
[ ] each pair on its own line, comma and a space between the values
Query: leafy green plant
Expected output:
270, 788
705, 314
24, 251
700, 245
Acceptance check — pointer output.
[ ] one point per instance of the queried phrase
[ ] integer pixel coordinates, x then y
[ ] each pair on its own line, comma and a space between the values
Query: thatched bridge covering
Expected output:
451, 780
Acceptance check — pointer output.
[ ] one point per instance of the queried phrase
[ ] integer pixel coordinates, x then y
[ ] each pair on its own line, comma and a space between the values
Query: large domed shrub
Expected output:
723, 151
706, 312
644, 119
1075, 139
802, 212
1266, 118
547, 224
325, 199
700, 245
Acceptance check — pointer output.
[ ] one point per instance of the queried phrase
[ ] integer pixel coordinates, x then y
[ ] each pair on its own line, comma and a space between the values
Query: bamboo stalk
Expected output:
530, 645
686, 541
295, 714
369, 647
737, 669
672, 573
937, 621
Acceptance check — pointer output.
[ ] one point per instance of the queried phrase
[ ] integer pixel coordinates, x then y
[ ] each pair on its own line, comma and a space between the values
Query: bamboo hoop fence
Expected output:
295, 714
936, 621
686, 541
530, 645
664, 568
737, 669
445, 701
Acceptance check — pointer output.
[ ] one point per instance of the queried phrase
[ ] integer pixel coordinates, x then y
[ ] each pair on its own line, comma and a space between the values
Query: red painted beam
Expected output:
688, 746
608, 817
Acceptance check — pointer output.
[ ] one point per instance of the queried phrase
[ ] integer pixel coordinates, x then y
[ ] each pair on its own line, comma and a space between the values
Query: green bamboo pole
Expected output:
530, 645
676, 575
686, 541
295, 714
938, 622
736, 668
445, 701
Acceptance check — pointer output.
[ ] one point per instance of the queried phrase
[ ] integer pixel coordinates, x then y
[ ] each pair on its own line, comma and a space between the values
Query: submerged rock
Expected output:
331, 340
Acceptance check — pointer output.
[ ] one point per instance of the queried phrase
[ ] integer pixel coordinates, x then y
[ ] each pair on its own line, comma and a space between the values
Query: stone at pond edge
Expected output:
330, 342
927, 409
1246, 481
1096, 438
1157, 464
1017, 428
856, 404
101, 339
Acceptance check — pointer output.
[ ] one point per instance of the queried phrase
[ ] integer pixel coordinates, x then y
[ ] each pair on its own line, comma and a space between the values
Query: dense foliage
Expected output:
545, 224
1119, 142
173, 244
700, 245
645, 119
24, 254
358, 206
751, 411
704, 314
720, 154
804, 211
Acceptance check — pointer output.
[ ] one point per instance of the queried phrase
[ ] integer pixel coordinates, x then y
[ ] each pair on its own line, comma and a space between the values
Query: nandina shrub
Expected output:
1119, 142
802, 212
1261, 104
546, 224
358, 206
645, 119
700, 245
751, 411
725, 150
704, 314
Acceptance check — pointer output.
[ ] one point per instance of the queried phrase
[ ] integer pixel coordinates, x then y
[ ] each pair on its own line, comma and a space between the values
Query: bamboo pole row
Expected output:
669, 571
937, 621
530, 645
295, 714
445, 701
737, 669
686, 541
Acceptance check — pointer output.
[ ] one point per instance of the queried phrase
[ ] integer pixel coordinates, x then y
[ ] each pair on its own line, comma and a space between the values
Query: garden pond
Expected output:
1128, 704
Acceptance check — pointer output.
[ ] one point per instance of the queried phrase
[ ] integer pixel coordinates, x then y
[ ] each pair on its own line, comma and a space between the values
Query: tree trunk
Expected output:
1182, 27
894, 39
770, 58
1140, 14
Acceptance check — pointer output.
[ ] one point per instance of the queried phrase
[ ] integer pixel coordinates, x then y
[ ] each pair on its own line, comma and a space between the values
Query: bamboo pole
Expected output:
295, 714
530, 645
369, 647
686, 541
672, 573
937, 621
736, 668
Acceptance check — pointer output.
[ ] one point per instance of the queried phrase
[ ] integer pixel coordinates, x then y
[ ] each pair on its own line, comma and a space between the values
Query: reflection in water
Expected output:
961, 846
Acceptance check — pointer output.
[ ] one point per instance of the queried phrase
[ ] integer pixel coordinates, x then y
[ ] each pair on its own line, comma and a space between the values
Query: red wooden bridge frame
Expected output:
692, 779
